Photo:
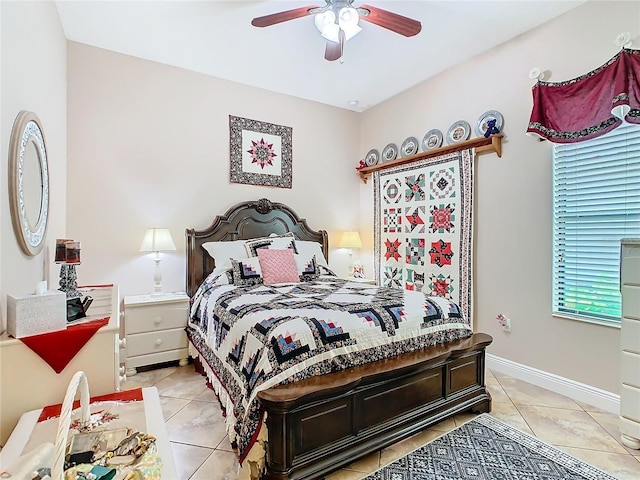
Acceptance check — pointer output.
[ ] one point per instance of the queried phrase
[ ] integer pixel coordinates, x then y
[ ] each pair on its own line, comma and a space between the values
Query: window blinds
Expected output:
596, 202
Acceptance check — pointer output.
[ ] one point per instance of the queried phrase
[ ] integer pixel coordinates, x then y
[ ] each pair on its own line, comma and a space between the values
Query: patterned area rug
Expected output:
484, 449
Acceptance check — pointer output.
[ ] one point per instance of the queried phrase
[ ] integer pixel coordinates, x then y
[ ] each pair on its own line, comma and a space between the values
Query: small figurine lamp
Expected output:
350, 240
68, 256
157, 240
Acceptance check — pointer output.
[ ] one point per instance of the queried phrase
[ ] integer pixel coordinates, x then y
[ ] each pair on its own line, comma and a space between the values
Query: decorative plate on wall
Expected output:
409, 147
432, 139
372, 158
458, 132
390, 152
481, 125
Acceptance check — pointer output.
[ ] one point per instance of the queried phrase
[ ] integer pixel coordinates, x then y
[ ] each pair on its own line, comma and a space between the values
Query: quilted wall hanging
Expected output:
423, 233
260, 152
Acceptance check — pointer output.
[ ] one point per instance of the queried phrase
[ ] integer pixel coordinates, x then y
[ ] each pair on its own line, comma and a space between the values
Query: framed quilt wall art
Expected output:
423, 227
260, 152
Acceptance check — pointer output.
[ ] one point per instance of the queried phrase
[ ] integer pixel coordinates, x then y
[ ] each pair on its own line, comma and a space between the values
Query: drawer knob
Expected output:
158, 342
158, 320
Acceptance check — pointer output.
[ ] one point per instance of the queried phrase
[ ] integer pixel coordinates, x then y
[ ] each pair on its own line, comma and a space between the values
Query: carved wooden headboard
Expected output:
243, 221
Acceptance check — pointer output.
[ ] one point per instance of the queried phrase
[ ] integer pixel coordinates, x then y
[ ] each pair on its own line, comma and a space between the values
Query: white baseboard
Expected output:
607, 401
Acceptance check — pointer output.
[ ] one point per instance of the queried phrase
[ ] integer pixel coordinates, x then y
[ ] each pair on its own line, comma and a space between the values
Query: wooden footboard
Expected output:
323, 423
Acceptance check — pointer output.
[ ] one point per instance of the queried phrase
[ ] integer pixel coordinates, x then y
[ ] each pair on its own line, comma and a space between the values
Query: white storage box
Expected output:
35, 314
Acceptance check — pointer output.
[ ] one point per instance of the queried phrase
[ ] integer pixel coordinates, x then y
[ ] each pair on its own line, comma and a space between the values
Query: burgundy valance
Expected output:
591, 105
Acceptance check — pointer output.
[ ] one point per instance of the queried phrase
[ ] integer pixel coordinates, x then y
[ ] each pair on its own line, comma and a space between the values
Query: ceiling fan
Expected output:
338, 21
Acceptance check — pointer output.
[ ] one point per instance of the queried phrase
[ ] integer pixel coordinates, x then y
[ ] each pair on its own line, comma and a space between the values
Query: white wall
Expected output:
513, 193
33, 64
149, 146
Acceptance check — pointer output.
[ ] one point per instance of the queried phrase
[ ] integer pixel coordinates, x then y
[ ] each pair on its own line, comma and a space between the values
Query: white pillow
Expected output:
222, 252
308, 249
278, 242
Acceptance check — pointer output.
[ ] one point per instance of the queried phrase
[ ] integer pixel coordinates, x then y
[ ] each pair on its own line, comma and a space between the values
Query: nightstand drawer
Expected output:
150, 318
630, 268
152, 342
630, 335
630, 402
630, 369
631, 303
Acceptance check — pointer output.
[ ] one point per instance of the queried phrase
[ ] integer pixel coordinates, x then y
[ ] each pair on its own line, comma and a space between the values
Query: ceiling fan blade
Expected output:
391, 21
333, 50
280, 17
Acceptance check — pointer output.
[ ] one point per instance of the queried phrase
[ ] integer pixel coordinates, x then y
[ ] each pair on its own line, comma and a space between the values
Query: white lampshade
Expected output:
157, 240
350, 240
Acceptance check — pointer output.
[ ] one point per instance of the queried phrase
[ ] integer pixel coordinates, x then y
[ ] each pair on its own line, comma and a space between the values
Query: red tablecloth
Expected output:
53, 411
59, 348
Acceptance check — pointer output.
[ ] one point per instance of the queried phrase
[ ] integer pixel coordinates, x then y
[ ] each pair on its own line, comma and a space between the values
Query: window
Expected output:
596, 202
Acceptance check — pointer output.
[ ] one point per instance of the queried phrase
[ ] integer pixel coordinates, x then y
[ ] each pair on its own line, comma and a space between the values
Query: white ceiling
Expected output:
216, 38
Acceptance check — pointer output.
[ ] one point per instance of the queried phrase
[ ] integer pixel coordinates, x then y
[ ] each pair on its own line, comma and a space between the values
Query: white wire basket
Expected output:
79, 379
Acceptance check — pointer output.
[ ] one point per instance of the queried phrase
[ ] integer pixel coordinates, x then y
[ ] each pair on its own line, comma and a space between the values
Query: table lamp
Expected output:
350, 240
157, 240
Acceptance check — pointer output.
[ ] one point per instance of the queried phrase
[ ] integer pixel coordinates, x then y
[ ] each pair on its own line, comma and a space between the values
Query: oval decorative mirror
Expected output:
28, 182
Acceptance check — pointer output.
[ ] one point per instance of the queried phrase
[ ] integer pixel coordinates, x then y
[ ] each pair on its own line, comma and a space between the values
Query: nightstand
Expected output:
154, 329
369, 281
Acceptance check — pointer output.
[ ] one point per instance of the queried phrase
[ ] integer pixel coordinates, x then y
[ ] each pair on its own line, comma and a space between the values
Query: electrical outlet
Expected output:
506, 324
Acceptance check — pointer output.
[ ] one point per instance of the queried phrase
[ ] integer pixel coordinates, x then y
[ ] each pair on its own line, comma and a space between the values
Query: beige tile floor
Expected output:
203, 452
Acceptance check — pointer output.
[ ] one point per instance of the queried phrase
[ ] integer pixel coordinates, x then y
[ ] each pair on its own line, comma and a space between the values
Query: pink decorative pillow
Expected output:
278, 266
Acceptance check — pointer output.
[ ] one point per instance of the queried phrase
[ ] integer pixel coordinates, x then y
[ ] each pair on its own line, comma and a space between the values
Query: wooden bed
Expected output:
323, 423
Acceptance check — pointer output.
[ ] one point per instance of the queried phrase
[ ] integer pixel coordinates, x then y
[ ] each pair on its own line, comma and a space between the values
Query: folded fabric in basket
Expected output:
89, 472
148, 467
135, 458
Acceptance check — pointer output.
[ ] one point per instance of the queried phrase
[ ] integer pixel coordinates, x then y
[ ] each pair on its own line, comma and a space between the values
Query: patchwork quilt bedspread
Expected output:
256, 337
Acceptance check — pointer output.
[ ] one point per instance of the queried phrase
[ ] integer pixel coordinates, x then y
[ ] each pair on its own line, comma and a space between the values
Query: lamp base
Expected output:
350, 265
157, 277
69, 280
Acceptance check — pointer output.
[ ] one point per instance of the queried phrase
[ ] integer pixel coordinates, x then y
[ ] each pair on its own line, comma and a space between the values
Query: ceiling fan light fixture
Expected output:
331, 33
348, 19
348, 15
323, 19
326, 24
